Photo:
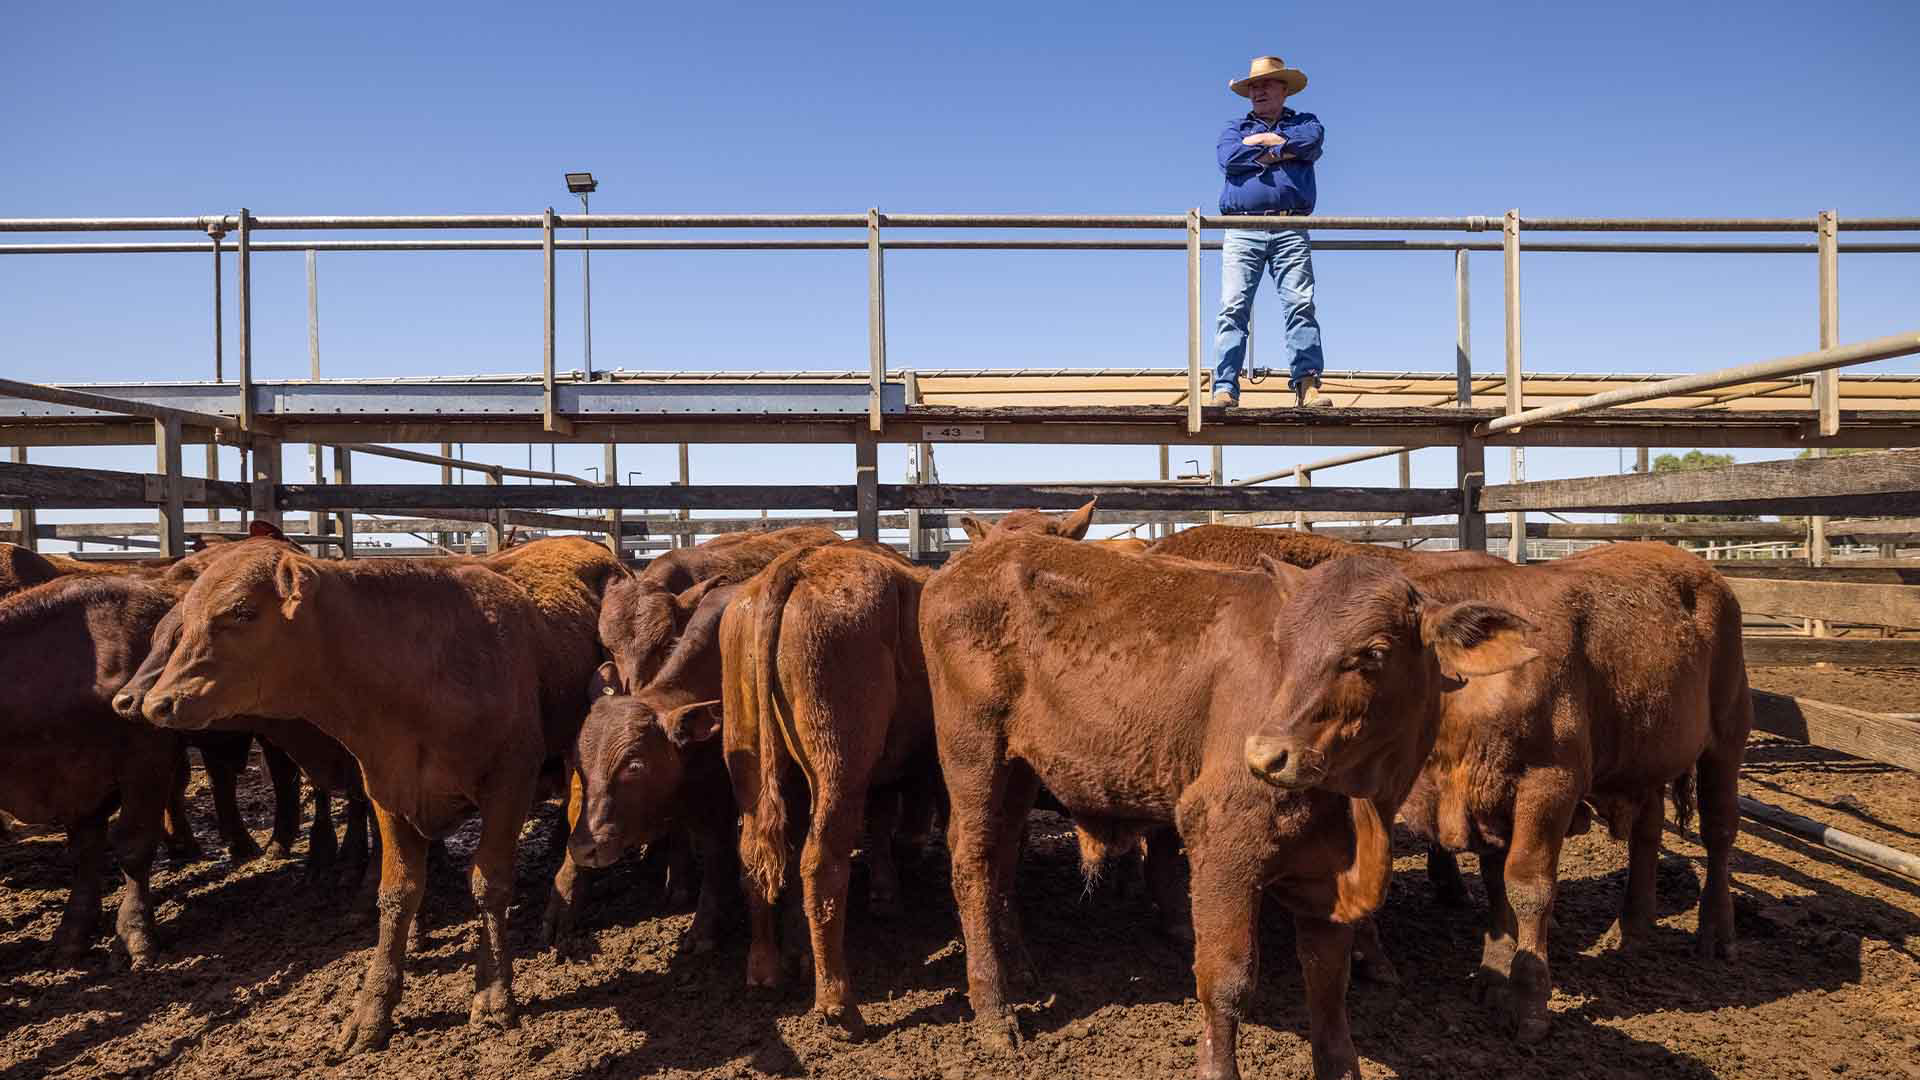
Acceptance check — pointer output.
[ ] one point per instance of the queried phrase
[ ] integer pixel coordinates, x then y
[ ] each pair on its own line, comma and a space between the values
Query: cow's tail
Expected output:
763, 853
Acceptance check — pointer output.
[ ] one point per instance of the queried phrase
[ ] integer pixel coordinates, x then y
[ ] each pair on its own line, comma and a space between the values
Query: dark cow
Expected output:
647, 765
65, 647
1276, 718
640, 615
427, 672
826, 696
1643, 688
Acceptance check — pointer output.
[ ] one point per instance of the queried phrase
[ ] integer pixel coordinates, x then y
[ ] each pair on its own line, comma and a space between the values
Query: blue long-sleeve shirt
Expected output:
1286, 184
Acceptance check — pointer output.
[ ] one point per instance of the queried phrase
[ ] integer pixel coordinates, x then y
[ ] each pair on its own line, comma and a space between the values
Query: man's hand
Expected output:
1265, 138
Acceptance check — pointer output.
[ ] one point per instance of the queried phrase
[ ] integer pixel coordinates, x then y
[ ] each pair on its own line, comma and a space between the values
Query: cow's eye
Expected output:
1369, 658
636, 767
240, 614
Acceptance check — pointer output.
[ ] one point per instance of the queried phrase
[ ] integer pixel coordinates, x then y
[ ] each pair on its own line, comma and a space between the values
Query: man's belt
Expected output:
1267, 213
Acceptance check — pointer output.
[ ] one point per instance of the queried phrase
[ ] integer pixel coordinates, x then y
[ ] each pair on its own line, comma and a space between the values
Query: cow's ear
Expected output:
685, 602
1074, 525
975, 529
606, 680
1285, 575
693, 723
1476, 638
268, 529
294, 580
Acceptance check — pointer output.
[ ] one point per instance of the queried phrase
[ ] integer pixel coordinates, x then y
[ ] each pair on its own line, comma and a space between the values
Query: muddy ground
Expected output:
257, 966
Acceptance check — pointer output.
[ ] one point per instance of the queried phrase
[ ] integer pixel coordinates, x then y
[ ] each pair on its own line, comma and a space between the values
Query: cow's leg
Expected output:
1370, 960
1443, 870
492, 880
825, 867
1717, 789
1635, 926
1324, 948
1022, 788
1163, 883
225, 758
883, 822
719, 873
403, 880
286, 809
676, 887
556, 924
323, 847
178, 828
359, 843
87, 847
976, 829
1533, 862
1496, 947
144, 793
1226, 957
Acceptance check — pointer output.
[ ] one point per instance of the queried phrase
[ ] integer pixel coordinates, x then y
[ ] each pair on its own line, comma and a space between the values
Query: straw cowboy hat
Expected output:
1269, 67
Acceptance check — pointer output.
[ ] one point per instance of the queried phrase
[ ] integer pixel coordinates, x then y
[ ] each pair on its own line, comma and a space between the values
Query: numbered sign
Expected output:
953, 432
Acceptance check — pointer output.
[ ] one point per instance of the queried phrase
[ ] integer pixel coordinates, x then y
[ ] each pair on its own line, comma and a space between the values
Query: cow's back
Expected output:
565, 579
732, 557
1238, 545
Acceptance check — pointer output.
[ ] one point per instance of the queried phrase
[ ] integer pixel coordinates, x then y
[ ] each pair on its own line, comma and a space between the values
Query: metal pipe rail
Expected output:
80, 399
1314, 466
1882, 348
460, 463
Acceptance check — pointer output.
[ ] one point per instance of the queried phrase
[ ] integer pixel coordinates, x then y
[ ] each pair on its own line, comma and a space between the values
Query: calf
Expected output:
824, 675
647, 764
65, 647
1071, 526
441, 706
1275, 718
643, 613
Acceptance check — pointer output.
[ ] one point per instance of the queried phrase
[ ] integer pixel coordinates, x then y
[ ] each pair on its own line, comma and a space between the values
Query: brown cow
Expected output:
1644, 687
824, 675
427, 673
1147, 690
639, 617
65, 647
647, 764
1071, 526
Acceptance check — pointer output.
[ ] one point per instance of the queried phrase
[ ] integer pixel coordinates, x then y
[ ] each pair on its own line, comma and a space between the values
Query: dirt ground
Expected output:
257, 966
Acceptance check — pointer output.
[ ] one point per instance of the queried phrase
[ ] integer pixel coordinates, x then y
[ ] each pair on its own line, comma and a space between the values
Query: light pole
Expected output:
583, 184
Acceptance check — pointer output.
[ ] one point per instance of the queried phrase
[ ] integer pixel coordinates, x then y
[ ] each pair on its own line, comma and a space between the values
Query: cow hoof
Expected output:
1708, 947
1000, 1033
763, 969
845, 1022
1530, 1029
1378, 970
185, 853
279, 849
243, 850
493, 1007
701, 944
364, 1030
556, 926
883, 905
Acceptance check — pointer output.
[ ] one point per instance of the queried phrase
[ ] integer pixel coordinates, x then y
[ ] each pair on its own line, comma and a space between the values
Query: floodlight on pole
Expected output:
583, 184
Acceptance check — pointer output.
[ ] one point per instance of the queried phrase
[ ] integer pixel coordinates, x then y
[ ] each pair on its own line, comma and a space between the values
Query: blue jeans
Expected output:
1285, 253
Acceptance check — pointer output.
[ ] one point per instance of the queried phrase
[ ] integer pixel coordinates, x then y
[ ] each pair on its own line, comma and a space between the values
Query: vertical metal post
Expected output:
1826, 384
586, 302
1194, 388
243, 256
1462, 336
445, 539
1166, 474
551, 407
1470, 475
1510, 246
616, 525
917, 454
1217, 475
266, 479
173, 520
876, 318
313, 311
1302, 478
866, 486
1406, 482
685, 539
214, 233
25, 518
494, 517
1640, 459
343, 474
213, 472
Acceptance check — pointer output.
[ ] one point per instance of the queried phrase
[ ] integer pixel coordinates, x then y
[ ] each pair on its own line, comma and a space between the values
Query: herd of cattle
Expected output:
1258, 703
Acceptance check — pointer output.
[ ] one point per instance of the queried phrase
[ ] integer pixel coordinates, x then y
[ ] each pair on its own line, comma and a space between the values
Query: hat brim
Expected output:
1296, 81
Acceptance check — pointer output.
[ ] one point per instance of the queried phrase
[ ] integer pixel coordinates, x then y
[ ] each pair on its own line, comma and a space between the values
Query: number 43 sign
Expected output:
953, 432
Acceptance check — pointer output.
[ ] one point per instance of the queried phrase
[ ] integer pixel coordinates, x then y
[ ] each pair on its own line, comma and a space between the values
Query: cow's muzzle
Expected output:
164, 710
598, 850
1285, 763
128, 704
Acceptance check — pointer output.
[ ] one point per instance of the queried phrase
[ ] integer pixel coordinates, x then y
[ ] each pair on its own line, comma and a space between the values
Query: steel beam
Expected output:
243, 274
1195, 331
876, 319
173, 520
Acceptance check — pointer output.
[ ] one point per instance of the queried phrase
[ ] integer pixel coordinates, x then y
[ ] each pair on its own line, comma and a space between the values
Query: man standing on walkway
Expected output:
1267, 156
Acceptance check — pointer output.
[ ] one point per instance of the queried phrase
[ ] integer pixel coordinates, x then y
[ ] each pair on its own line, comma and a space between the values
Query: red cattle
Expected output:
1275, 718
826, 694
1071, 526
427, 672
65, 647
647, 765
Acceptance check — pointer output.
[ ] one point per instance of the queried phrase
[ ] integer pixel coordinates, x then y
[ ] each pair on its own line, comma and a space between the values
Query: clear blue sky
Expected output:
1753, 108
